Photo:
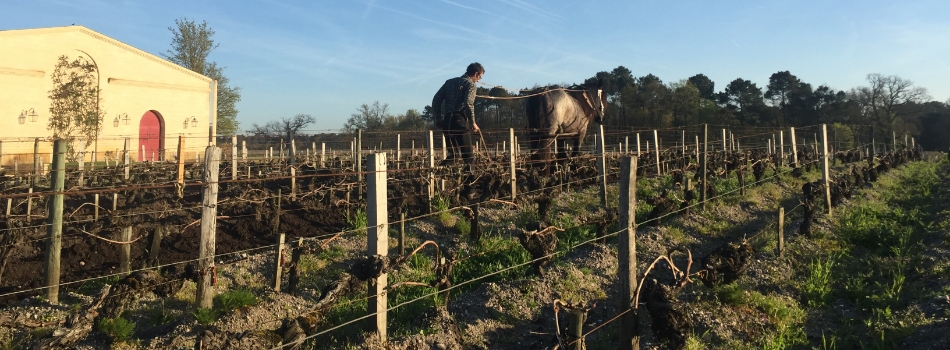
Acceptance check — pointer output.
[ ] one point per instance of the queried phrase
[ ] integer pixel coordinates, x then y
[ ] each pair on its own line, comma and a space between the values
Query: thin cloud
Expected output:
521, 23
369, 8
532, 9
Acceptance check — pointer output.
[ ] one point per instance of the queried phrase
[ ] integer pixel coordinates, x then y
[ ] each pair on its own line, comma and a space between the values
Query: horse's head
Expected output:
598, 100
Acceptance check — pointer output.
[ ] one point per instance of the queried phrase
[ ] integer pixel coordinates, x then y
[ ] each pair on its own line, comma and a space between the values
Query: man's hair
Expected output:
474, 68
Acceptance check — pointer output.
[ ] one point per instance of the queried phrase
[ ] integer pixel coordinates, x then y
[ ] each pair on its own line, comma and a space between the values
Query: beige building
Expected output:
148, 101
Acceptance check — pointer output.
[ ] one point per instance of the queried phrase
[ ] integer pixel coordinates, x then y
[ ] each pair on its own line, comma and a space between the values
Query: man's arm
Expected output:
470, 103
437, 102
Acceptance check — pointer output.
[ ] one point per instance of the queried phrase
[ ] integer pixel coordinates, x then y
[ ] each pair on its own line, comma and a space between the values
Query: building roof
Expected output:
100, 36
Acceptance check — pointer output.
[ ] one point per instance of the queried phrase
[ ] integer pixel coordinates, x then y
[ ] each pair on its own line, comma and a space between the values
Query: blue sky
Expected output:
325, 58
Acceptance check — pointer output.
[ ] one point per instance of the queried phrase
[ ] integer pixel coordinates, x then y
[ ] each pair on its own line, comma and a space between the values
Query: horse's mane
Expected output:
537, 89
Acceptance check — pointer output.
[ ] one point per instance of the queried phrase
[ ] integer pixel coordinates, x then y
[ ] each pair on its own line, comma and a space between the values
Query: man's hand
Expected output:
474, 127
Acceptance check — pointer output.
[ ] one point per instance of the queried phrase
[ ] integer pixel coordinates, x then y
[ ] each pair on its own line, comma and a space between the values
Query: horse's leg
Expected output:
578, 141
544, 154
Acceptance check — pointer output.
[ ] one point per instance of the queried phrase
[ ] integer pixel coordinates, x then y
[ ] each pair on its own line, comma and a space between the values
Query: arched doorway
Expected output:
152, 136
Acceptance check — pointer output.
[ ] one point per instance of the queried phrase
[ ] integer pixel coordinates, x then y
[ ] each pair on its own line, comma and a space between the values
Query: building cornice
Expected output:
106, 39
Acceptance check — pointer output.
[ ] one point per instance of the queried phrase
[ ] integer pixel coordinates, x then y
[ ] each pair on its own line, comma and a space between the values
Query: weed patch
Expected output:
118, 329
235, 299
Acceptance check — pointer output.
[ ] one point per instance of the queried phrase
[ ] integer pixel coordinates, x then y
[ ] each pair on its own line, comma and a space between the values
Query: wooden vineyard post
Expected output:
278, 262
781, 143
181, 163
398, 150
638, 144
125, 250
293, 151
732, 141
234, 158
602, 166
156, 246
206, 248
444, 148
323, 154
656, 141
125, 159
697, 148
724, 148
96, 207
378, 235
705, 159
9, 205
36, 162
294, 278
358, 156
794, 147
893, 140
626, 144
684, 144
29, 204
402, 234
511, 163
244, 152
627, 253
826, 179
781, 231
54, 228
578, 316
431, 165
293, 183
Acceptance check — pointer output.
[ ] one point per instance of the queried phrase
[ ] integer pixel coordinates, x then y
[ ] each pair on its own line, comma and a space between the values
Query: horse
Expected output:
562, 113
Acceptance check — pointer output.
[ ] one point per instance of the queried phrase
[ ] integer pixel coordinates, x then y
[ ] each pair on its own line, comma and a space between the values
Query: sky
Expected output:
327, 57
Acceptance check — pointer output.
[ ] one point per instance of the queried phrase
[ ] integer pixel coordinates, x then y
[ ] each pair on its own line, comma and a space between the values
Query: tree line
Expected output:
888, 103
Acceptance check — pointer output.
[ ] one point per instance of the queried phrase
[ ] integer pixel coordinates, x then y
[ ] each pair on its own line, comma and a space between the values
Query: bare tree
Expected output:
881, 100
285, 127
368, 117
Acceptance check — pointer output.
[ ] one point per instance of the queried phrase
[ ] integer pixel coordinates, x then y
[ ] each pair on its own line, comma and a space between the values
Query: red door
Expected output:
150, 136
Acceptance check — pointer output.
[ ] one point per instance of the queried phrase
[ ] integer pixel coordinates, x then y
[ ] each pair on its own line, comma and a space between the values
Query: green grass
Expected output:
872, 250
206, 316
441, 205
464, 227
235, 299
419, 268
158, 315
347, 309
817, 286
357, 222
785, 317
493, 254
118, 329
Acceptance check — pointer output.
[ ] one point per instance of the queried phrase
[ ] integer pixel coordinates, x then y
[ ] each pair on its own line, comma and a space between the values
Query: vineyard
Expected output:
744, 238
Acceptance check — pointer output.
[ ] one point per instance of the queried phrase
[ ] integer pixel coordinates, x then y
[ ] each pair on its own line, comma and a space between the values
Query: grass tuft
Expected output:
235, 299
118, 329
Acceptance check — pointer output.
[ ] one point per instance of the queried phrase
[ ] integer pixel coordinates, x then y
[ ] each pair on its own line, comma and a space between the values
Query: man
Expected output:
455, 104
